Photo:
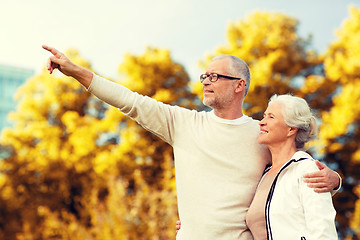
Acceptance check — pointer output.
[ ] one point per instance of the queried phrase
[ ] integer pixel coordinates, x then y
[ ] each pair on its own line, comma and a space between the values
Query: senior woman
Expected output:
284, 207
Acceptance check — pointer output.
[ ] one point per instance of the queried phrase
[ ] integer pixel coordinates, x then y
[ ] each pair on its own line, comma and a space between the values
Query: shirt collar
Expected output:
300, 154
238, 121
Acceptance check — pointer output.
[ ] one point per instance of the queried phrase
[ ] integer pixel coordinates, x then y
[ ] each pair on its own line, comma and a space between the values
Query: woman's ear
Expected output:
292, 131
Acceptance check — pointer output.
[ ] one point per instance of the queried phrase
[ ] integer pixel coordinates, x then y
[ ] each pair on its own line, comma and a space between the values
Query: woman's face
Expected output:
273, 129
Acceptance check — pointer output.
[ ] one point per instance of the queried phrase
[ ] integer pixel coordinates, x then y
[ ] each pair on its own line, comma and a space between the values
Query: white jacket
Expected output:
293, 210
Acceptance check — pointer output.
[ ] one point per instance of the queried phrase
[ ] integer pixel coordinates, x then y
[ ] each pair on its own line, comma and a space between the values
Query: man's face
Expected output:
219, 94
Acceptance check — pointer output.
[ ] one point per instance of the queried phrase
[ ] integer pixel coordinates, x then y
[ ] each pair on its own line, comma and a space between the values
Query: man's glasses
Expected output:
213, 77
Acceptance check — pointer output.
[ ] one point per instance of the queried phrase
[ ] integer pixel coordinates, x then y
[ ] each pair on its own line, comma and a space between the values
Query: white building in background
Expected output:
10, 79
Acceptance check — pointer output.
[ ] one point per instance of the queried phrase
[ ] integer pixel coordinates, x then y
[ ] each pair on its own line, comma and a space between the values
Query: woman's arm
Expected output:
318, 208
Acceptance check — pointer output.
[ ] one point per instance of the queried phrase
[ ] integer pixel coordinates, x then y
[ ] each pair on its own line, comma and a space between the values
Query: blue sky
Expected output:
103, 31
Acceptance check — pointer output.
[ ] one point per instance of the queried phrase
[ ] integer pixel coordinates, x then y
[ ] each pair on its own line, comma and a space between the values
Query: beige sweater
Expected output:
218, 162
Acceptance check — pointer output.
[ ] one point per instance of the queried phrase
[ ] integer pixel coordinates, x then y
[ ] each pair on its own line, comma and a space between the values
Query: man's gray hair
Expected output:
237, 68
297, 114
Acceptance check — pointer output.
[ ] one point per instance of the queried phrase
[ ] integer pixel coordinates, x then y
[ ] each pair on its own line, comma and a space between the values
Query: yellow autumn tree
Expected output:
268, 42
34, 175
74, 168
340, 129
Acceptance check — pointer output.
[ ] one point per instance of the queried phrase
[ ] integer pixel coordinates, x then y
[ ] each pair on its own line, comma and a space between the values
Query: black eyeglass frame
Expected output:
211, 77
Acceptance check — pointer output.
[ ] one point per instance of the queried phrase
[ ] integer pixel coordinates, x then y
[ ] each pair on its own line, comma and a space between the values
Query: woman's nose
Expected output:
262, 122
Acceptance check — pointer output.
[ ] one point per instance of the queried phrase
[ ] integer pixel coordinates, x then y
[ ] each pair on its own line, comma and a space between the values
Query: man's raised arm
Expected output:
61, 62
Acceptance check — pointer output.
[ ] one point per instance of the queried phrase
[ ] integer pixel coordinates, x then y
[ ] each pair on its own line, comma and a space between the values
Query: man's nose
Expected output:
206, 81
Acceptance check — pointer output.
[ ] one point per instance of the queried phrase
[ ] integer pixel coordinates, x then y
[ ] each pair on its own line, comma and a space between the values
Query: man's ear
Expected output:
240, 86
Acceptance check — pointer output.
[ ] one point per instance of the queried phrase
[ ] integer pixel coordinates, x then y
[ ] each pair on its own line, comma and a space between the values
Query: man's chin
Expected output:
207, 102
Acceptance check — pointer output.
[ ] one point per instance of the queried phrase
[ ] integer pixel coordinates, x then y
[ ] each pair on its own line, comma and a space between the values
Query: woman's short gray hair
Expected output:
237, 68
297, 114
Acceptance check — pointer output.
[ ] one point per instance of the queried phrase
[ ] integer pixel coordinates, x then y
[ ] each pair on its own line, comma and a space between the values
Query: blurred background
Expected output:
71, 167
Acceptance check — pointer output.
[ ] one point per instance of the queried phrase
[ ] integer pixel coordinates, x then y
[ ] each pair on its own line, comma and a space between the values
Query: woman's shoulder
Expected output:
305, 163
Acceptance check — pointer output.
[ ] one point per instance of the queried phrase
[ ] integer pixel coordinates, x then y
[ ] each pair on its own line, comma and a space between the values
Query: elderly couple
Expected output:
223, 188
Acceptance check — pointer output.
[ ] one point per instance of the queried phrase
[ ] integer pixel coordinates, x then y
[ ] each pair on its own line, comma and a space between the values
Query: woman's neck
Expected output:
280, 155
